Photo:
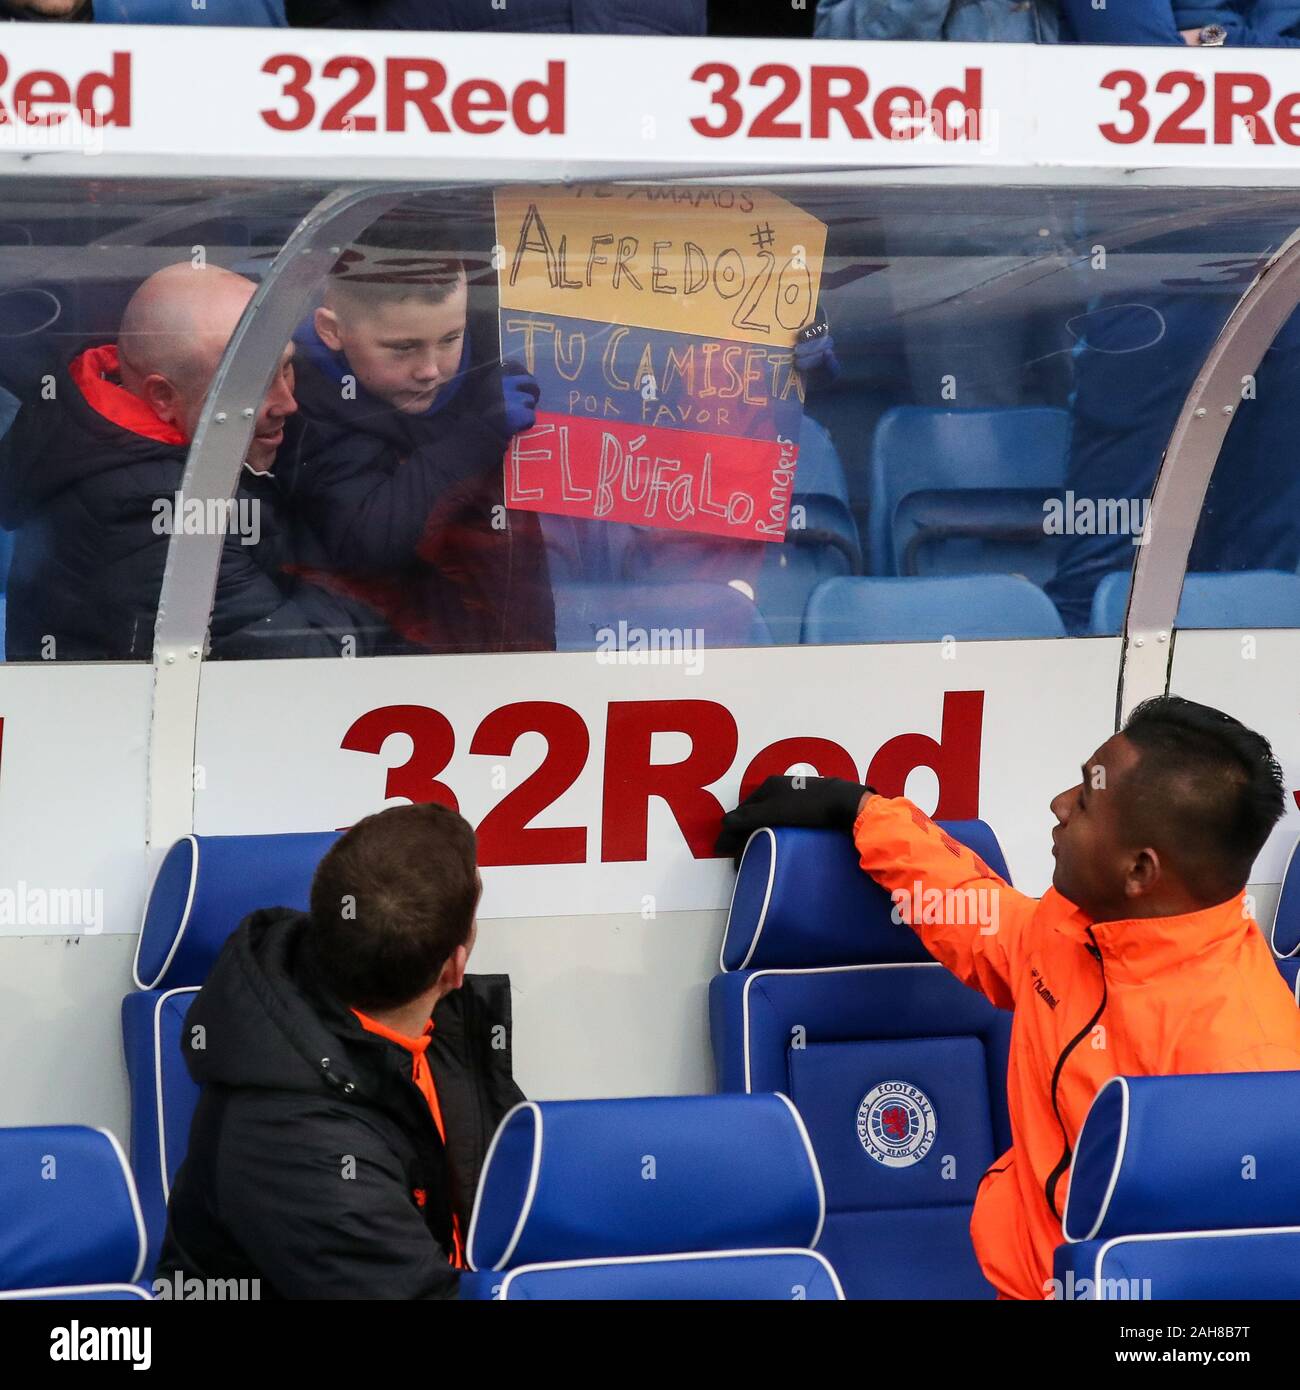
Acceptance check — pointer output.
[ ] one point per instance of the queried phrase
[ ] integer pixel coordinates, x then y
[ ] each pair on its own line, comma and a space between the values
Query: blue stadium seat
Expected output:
205, 886
70, 1220
1259, 1264
956, 454
830, 1001
1245, 599
609, 617
973, 607
820, 470
1159, 1190
779, 575
713, 1275
821, 543
163, 1097
1290, 969
652, 1197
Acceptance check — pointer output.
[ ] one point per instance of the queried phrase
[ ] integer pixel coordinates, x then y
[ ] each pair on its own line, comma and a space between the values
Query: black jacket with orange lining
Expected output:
314, 1164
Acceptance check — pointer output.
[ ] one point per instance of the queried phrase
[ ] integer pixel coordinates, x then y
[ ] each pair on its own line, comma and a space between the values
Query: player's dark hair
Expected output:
1205, 794
390, 902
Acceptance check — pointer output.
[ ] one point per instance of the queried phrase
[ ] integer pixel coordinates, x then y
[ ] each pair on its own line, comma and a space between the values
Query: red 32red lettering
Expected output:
632, 779
43, 97
1238, 107
839, 101
413, 93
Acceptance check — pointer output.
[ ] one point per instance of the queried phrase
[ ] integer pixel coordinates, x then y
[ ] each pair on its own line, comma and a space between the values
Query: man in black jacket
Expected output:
408, 416
338, 1139
90, 476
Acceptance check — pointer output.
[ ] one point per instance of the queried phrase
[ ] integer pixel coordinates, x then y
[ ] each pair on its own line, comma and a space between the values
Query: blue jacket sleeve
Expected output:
880, 19
1122, 22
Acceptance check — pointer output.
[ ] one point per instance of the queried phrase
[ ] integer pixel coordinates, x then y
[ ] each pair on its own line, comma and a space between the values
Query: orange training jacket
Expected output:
1148, 997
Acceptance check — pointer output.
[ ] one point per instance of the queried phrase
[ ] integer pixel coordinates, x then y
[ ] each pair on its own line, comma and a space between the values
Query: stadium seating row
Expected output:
755, 1195
956, 547
853, 609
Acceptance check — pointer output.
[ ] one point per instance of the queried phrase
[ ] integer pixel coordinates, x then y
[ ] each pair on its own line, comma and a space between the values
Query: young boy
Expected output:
401, 469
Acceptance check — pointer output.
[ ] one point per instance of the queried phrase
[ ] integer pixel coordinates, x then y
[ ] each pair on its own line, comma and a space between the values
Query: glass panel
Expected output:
1241, 572
97, 407
977, 433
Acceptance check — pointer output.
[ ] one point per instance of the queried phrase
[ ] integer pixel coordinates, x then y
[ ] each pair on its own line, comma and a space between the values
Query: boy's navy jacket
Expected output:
292, 1088
411, 509
81, 487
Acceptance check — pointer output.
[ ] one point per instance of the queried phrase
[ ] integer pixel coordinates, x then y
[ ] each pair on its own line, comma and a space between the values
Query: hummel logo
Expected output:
1040, 989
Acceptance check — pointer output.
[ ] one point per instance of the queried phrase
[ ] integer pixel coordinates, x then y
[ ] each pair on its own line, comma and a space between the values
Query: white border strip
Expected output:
1281, 898
185, 915
1181, 1235
533, 1177
767, 898
135, 1200
159, 1108
83, 1289
502, 1291
812, 1163
1122, 1082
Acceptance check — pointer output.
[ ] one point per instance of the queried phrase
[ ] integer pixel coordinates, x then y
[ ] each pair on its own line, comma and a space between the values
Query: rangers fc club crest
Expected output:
896, 1124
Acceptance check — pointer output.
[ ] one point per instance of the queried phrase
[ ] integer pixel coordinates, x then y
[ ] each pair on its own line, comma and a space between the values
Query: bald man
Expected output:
90, 476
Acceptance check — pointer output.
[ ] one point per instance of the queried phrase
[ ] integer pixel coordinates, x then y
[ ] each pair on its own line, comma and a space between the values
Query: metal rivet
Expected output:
1139, 641
1227, 410
1162, 637
324, 1064
194, 651
1199, 412
248, 412
170, 661
220, 417
348, 1088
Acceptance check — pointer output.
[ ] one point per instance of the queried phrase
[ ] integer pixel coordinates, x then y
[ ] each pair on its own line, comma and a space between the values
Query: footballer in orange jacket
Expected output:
1142, 959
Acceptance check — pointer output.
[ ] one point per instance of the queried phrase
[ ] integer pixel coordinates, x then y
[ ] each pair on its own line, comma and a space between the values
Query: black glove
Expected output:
819, 803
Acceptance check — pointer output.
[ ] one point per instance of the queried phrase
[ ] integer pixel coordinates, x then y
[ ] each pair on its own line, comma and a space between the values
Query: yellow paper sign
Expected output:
730, 263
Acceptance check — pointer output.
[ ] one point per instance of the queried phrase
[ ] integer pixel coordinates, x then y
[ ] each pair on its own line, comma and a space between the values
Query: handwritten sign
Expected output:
661, 324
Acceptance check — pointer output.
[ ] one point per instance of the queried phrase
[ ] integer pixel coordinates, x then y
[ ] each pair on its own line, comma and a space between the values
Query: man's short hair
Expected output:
1206, 792
390, 903
393, 261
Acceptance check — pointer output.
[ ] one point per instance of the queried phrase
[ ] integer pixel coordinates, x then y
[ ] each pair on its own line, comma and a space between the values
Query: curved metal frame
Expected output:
215, 458
1185, 471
